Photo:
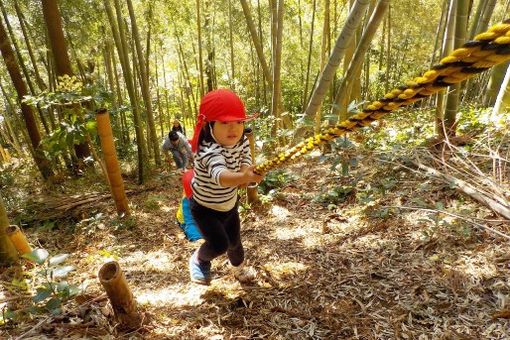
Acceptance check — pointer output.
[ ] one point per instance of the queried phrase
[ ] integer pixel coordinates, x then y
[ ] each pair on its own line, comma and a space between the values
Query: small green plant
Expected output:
51, 290
126, 223
336, 195
275, 180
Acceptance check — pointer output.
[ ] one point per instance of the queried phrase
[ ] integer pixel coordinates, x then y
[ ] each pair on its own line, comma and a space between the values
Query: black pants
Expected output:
221, 232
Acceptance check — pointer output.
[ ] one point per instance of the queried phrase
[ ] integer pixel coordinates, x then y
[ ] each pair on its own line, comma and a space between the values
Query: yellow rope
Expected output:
486, 50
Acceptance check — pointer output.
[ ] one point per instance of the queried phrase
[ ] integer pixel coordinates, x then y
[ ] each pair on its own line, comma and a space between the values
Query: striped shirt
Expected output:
210, 161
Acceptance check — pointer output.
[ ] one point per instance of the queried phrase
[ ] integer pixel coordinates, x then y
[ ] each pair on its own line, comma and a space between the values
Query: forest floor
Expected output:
334, 260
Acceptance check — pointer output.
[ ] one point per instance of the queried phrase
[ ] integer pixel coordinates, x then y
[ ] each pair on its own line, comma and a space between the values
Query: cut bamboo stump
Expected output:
18, 239
104, 131
251, 190
124, 305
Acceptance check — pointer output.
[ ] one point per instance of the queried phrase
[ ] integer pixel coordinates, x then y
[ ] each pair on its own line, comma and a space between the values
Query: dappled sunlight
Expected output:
159, 261
280, 213
284, 232
172, 295
281, 270
478, 267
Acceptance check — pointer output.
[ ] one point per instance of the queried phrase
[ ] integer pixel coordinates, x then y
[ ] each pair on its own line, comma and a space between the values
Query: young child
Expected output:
222, 164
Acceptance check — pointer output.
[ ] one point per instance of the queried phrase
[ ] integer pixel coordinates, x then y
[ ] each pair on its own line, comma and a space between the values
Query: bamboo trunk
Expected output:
8, 253
104, 131
251, 190
124, 305
18, 239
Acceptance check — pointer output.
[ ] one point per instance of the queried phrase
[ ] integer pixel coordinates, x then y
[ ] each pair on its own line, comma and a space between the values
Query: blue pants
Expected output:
179, 159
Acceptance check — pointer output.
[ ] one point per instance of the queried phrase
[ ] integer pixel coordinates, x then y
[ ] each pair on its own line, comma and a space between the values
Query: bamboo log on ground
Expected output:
104, 131
123, 303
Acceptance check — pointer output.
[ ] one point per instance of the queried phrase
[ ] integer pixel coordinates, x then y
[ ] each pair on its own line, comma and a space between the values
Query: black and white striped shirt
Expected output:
210, 160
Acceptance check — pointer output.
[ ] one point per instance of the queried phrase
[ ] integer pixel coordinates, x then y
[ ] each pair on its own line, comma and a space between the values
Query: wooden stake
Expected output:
124, 305
104, 131
18, 239
251, 190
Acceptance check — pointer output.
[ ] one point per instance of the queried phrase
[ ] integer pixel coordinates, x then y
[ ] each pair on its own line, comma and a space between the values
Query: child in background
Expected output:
222, 164
177, 127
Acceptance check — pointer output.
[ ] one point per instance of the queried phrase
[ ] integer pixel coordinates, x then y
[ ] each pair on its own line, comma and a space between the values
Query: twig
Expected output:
39, 324
12, 298
469, 190
453, 215
49, 318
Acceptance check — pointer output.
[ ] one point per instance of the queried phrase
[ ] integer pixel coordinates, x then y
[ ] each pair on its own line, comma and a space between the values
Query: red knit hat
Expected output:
219, 105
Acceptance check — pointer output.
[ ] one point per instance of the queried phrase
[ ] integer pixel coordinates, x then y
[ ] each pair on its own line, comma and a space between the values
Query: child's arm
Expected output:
234, 179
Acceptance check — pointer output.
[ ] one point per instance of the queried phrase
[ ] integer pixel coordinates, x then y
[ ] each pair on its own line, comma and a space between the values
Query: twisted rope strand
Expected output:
485, 51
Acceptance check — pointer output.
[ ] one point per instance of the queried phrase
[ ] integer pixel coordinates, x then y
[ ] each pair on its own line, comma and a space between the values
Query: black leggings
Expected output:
221, 232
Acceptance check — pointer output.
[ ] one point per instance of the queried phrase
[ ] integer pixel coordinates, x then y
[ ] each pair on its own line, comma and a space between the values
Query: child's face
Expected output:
228, 133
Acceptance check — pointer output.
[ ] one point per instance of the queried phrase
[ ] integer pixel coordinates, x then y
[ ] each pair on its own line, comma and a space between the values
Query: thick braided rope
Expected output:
486, 50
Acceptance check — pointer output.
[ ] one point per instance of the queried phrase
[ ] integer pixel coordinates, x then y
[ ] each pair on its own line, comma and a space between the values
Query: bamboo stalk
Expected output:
251, 190
18, 239
124, 305
104, 131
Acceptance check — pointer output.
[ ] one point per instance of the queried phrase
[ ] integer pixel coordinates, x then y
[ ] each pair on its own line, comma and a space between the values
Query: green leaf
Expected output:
42, 294
61, 271
37, 255
58, 259
91, 126
53, 304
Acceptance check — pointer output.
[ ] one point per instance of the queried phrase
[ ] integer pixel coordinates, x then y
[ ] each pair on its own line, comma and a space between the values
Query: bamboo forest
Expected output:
255, 169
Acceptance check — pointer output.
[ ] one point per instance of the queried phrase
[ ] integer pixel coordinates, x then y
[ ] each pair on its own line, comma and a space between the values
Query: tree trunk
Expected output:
200, 58
8, 253
446, 50
309, 59
231, 45
58, 47
189, 87
21, 63
122, 50
344, 91
21, 19
256, 42
486, 17
452, 102
495, 83
342, 42
145, 85
104, 130
503, 100
15, 74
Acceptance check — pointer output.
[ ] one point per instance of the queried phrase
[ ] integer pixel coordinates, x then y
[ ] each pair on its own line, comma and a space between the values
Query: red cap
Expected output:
220, 105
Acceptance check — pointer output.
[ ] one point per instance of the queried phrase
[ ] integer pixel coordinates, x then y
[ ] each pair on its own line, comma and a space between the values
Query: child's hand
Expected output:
251, 176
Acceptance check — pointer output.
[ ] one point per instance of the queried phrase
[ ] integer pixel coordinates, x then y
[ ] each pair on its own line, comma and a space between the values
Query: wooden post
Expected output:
251, 190
124, 305
18, 239
8, 252
104, 131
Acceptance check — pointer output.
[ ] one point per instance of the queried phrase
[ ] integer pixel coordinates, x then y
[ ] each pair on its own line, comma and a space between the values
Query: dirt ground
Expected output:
348, 270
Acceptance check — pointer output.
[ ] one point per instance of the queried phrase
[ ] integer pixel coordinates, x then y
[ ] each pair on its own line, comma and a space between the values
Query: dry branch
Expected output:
468, 190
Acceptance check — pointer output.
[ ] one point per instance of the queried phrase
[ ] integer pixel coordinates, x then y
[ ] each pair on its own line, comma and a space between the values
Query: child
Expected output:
177, 127
222, 164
